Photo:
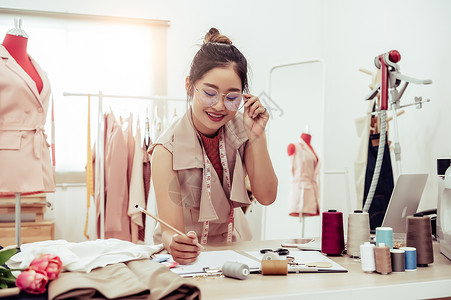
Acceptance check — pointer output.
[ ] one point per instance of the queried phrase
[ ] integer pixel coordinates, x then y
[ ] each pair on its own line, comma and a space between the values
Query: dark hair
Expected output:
217, 51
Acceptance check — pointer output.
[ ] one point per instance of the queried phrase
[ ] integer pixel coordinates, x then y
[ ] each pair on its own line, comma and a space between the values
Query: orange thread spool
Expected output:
274, 267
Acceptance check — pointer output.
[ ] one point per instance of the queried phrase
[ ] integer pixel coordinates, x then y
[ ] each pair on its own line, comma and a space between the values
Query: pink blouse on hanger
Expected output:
117, 221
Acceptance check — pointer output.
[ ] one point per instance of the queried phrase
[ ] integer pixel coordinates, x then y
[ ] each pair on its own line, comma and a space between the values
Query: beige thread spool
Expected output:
383, 259
274, 267
358, 232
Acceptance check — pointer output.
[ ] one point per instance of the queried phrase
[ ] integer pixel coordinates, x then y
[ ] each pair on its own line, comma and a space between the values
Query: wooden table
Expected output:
429, 282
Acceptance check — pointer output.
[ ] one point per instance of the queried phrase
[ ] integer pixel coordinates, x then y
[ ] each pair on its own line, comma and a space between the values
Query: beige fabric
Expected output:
24, 152
304, 196
136, 188
183, 141
131, 280
117, 221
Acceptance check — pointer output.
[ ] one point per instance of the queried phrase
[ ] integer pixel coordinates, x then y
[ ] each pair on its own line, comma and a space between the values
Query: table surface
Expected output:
433, 281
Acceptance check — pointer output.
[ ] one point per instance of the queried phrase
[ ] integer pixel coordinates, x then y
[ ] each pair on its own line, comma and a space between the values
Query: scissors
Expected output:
280, 251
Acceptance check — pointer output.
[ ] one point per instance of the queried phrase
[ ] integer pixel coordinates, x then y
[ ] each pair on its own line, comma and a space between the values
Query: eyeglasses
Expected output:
210, 96
280, 251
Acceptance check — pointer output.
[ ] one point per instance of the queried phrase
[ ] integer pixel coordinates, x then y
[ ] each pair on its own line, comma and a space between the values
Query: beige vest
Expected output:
25, 165
183, 141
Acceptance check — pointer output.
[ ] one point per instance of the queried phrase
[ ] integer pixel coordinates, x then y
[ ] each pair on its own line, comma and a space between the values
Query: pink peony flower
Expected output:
48, 263
32, 281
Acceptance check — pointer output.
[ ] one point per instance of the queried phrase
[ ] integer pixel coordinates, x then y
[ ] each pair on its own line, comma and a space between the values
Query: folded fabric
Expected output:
83, 256
138, 279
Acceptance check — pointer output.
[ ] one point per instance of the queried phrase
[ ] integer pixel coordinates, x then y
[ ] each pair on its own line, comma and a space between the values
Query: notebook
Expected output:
404, 201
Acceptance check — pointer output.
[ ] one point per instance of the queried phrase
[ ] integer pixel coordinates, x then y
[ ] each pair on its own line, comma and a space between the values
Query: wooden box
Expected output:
38, 230
29, 232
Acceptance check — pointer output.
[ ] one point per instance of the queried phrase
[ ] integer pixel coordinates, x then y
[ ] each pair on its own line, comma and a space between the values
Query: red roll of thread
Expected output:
332, 239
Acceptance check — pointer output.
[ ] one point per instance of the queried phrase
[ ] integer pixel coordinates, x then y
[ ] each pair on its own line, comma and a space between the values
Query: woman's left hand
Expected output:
255, 116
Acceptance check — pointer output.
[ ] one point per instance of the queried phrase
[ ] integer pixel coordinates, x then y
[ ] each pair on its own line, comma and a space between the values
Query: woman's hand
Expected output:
183, 249
255, 116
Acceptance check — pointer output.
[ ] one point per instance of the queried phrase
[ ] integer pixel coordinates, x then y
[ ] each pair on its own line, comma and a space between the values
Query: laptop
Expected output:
404, 201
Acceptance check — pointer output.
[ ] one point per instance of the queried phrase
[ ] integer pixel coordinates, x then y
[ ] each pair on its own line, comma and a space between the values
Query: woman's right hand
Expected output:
184, 250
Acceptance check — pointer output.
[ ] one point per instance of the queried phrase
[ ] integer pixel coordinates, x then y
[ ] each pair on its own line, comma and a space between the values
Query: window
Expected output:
88, 54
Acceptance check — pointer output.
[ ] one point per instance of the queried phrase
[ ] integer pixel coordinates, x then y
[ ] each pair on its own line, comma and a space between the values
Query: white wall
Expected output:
347, 34
357, 31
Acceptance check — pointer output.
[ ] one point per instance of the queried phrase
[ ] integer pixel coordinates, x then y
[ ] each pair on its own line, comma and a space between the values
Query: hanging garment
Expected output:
146, 181
130, 141
183, 141
24, 151
304, 196
136, 189
146, 170
89, 170
385, 184
117, 222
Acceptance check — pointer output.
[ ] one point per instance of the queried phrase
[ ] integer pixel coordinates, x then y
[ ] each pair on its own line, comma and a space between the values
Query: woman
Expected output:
200, 162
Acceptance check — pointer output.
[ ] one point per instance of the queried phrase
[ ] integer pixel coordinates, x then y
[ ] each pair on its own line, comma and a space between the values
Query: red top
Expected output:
307, 138
17, 47
211, 146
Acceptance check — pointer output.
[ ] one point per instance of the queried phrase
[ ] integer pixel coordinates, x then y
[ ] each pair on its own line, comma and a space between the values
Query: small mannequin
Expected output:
15, 42
304, 195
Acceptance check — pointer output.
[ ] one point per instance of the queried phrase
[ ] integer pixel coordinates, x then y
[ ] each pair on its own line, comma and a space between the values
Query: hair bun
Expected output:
213, 36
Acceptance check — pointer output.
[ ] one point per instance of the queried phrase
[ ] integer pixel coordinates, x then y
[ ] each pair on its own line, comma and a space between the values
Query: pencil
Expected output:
166, 224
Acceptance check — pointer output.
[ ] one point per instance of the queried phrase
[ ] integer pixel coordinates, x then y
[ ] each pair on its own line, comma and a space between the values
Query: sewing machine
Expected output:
444, 211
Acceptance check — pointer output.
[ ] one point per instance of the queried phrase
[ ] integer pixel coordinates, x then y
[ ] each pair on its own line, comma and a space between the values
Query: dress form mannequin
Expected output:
305, 167
24, 152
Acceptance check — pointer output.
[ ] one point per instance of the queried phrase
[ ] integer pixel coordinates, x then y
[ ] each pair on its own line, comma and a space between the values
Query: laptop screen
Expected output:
404, 201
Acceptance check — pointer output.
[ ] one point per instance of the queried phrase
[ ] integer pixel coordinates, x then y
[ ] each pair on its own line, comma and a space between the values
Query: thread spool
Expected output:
398, 260
383, 259
274, 267
358, 231
411, 258
332, 238
235, 270
419, 235
384, 235
367, 257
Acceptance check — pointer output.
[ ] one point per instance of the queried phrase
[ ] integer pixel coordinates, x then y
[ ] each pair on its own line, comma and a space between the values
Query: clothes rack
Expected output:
100, 147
